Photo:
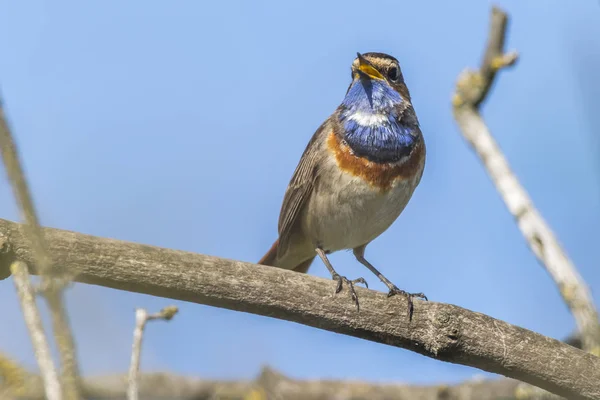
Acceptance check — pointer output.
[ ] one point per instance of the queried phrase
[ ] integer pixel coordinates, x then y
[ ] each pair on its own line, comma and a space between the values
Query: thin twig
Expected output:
441, 331
141, 318
52, 287
34, 324
472, 88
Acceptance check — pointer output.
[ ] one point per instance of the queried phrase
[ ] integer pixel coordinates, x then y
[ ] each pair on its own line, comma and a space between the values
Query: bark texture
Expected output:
441, 331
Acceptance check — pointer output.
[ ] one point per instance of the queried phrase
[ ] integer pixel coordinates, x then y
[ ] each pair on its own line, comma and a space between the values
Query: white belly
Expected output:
345, 212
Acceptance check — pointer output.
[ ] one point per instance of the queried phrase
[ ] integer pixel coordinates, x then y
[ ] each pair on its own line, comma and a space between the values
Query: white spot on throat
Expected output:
368, 119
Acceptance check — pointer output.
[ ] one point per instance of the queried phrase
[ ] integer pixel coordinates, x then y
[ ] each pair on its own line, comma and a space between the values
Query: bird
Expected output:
355, 177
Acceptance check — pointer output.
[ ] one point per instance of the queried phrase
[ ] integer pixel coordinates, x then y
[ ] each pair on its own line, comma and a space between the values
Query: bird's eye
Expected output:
393, 74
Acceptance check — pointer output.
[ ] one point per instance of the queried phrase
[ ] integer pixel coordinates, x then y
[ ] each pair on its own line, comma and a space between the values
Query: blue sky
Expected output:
179, 124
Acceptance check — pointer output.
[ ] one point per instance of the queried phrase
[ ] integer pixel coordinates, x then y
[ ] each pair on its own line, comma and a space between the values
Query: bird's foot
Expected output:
350, 283
409, 296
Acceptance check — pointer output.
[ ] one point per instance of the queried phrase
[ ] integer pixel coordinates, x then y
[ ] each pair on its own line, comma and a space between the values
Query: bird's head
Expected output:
376, 117
377, 84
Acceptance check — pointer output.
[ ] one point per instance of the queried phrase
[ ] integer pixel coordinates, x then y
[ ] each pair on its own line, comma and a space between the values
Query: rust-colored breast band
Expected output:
379, 175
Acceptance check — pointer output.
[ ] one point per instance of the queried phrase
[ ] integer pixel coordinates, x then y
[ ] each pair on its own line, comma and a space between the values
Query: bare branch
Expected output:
472, 88
21, 192
141, 318
441, 331
278, 386
53, 290
36, 330
64, 342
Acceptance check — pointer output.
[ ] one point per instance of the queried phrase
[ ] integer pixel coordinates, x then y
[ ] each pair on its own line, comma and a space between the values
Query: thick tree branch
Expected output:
441, 331
472, 88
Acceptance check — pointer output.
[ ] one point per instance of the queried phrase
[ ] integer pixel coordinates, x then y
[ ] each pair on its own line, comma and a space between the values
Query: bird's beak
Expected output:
365, 68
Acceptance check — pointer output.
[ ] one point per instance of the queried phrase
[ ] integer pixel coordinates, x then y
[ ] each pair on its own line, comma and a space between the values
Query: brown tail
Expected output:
271, 256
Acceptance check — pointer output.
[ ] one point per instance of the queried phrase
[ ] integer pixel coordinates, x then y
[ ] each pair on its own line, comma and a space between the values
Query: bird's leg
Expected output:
359, 253
337, 277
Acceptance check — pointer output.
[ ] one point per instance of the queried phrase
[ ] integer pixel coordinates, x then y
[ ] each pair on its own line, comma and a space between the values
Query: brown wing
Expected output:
299, 188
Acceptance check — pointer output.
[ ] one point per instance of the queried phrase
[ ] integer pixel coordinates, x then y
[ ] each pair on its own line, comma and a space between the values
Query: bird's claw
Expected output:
409, 296
394, 290
342, 279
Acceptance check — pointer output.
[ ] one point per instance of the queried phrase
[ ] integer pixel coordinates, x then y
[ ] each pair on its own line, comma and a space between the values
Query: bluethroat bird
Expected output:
356, 175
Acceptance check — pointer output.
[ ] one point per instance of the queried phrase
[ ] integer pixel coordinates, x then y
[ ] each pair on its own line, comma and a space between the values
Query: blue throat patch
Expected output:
371, 123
